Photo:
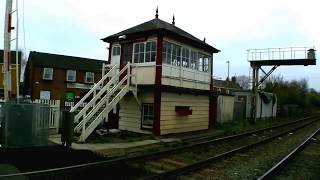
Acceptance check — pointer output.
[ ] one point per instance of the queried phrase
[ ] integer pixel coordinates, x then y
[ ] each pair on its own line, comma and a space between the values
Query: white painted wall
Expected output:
144, 73
130, 113
225, 107
170, 122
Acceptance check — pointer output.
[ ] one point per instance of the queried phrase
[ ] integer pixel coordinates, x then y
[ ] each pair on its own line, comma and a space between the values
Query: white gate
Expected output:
54, 112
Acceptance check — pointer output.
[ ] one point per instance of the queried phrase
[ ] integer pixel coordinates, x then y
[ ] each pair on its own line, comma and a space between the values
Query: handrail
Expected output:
92, 90
99, 93
91, 127
87, 115
101, 102
289, 53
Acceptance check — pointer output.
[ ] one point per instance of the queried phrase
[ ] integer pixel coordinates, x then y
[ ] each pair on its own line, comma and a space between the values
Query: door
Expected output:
115, 60
126, 56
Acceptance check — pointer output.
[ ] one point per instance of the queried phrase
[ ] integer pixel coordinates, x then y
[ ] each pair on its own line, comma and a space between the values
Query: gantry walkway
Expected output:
282, 56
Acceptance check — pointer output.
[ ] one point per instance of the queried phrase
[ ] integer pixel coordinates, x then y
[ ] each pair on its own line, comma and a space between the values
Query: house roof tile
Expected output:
158, 25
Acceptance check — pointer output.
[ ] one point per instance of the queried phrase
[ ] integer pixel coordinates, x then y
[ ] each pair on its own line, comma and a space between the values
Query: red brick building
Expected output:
60, 77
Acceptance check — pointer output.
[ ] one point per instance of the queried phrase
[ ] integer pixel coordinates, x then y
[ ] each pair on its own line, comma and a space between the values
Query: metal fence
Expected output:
24, 124
54, 113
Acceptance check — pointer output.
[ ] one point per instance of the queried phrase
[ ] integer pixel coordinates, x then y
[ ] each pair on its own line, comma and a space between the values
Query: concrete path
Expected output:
105, 146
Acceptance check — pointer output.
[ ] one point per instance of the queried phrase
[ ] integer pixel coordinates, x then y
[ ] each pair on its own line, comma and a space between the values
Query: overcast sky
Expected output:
75, 27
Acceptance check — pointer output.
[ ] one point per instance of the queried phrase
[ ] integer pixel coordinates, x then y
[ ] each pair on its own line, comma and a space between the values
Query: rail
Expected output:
65, 171
202, 163
276, 168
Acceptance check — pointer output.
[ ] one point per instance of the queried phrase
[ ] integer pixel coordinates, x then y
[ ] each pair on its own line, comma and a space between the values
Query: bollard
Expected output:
67, 128
69, 137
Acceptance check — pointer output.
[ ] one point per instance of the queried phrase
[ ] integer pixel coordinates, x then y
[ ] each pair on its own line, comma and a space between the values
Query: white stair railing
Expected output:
86, 112
104, 113
94, 90
103, 102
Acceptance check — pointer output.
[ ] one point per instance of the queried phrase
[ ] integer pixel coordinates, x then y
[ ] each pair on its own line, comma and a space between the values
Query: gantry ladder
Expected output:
105, 95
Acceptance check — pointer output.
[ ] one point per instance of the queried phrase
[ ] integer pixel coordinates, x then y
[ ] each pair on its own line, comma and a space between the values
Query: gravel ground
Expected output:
252, 164
306, 165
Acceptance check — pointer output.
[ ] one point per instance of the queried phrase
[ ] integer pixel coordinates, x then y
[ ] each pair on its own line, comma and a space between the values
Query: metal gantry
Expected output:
275, 57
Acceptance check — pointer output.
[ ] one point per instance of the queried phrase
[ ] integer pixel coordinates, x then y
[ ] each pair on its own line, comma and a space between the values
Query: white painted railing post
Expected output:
83, 128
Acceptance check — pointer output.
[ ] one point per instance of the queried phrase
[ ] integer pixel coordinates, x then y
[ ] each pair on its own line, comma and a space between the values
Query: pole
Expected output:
6, 53
17, 54
228, 69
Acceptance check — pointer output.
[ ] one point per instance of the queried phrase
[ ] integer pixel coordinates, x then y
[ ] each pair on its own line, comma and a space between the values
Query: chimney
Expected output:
233, 79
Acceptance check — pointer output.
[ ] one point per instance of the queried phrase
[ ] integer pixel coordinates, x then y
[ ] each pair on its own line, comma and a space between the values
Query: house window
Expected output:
116, 51
185, 58
171, 53
71, 75
150, 52
203, 63
139, 53
167, 52
45, 95
47, 73
89, 78
144, 52
176, 55
147, 115
193, 60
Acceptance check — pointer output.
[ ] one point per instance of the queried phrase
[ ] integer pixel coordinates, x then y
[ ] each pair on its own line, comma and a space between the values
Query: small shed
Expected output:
266, 104
225, 108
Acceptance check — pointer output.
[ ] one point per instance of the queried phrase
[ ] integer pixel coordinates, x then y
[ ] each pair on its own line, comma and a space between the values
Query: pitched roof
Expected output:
158, 25
13, 57
65, 62
225, 84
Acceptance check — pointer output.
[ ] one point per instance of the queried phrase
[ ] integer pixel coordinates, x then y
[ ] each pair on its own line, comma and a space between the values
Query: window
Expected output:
176, 53
205, 64
171, 53
166, 55
71, 75
47, 73
193, 60
150, 52
116, 51
89, 78
45, 95
139, 53
185, 58
144, 52
147, 115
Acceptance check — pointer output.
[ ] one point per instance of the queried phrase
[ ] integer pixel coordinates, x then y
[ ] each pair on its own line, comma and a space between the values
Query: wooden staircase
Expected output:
106, 94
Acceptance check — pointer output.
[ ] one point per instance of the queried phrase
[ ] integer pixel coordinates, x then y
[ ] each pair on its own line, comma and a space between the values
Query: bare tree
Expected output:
243, 81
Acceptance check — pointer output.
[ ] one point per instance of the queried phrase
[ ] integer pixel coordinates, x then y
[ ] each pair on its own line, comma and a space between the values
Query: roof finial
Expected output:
173, 20
157, 15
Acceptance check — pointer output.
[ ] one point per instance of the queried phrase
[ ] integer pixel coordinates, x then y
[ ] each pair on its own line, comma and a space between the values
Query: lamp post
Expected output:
228, 68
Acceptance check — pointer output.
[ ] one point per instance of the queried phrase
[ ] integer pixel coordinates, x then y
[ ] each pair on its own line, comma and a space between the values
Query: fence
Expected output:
54, 112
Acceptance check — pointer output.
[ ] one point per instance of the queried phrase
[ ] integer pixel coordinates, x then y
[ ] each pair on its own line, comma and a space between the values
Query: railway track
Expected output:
274, 170
171, 162
173, 174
